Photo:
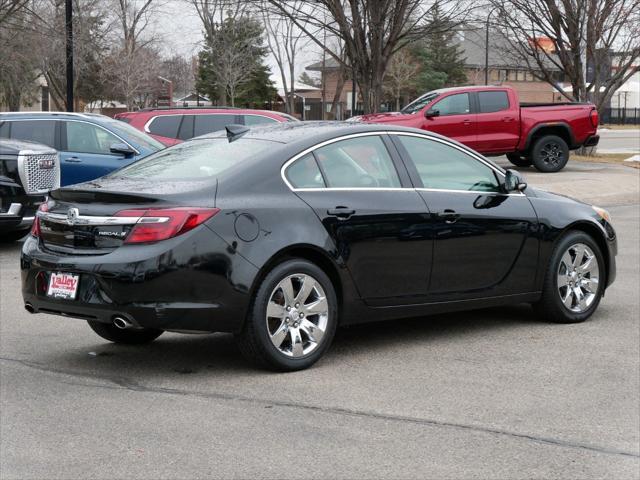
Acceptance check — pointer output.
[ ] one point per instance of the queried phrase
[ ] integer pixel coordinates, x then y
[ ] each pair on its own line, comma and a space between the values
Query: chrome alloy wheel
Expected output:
297, 315
578, 277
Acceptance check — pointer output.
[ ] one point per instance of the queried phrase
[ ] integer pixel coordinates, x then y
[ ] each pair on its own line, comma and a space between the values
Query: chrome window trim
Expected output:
137, 152
98, 220
473, 155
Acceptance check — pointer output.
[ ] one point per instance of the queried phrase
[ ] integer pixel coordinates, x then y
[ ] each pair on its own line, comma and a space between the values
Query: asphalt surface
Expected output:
619, 141
492, 393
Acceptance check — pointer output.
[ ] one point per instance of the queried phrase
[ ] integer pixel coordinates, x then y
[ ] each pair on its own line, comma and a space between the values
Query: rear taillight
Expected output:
35, 226
593, 116
163, 223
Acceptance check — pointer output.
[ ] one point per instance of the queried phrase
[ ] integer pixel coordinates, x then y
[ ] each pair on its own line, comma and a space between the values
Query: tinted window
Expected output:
4, 129
453, 104
87, 138
258, 120
419, 103
195, 160
493, 101
186, 128
362, 162
165, 126
445, 167
40, 131
211, 123
304, 173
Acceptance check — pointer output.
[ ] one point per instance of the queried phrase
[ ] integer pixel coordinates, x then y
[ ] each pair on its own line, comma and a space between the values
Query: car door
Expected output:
453, 117
485, 240
375, 218
498, 126
85, 152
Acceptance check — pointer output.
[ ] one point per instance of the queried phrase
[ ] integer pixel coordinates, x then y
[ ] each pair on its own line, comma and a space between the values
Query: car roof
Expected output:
152, 112
54, 115
14, 147
314, 131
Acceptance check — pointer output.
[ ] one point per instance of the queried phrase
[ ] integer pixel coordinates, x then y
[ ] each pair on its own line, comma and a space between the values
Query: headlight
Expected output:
602, 213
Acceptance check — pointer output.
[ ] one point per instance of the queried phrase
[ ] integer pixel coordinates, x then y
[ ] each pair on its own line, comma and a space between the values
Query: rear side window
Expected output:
40, 131
165, 126
304, 173
4, 129
211, 123
361, 162
195, 160
258, 120
186, 128
493, 101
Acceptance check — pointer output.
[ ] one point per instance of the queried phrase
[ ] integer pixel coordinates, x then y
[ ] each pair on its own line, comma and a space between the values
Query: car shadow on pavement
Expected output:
176, 355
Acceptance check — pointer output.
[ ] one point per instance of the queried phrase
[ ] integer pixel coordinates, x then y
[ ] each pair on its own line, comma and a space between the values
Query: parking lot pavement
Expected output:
493, 393
619, 141
602, 184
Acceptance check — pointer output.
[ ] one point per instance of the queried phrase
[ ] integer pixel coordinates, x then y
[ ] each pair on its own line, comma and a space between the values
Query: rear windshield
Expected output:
196, 159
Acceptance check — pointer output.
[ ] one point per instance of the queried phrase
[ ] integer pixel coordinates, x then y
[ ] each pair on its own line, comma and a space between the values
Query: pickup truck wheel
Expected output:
518, 160
550, 154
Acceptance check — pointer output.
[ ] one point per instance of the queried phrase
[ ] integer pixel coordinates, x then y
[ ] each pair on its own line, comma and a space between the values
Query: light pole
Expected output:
68, 28
486, 48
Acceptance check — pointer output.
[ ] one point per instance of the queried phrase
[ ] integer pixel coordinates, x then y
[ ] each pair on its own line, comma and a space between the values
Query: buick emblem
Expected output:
72, 216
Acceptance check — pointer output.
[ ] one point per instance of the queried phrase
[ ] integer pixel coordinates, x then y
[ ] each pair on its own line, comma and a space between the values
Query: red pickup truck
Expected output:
492, 121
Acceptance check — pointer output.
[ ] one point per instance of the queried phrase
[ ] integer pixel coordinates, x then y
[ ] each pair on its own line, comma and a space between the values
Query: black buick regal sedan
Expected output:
281, 233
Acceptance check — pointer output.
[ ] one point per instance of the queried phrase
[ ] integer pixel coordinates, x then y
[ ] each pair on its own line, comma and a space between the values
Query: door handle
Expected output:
341, 212
72, 160
466, 121
449, 216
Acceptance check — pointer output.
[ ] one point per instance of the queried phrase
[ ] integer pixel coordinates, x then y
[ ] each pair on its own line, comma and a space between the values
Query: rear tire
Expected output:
563, 290
290, 323
550, 154
518, 160
135, 336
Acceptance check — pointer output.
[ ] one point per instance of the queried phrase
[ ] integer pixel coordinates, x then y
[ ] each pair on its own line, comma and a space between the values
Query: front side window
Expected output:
361, 162
132, 135
165, 126
444, 167
493, 101
87, 138
457, 104
39, 131
195, 160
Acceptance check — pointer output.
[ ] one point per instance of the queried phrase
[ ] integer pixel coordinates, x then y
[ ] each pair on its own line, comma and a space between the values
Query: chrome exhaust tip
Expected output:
29, 308
122, 323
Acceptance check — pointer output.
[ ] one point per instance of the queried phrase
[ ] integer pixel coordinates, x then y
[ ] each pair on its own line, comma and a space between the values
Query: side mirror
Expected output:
432, 113
122, 149
513, 182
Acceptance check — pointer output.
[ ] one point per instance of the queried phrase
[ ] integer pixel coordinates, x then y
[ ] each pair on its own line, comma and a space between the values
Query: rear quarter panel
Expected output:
576, 117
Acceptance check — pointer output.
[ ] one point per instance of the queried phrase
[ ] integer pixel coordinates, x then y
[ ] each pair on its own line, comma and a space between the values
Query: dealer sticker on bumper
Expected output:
63, 285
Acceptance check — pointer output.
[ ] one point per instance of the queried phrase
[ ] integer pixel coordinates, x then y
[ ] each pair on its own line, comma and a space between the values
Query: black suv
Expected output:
28, 171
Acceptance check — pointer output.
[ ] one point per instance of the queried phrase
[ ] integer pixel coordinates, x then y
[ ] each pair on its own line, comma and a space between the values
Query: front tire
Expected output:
518, 160
550, 154
292, 318
574, 281
134, 336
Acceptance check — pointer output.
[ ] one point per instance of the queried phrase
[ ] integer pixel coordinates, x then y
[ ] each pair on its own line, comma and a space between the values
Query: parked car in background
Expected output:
312, 225
493, 122
89, 145
174, 125
27, 172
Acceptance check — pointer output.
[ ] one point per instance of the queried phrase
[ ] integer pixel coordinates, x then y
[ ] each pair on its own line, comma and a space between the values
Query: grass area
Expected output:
618, 158
620, 127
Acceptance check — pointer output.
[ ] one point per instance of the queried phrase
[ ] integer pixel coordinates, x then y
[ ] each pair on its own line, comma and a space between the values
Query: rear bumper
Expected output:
191, 282
592, 141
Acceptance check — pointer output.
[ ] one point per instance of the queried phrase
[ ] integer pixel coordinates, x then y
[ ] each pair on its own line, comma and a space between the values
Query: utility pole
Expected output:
68, 27
486, 49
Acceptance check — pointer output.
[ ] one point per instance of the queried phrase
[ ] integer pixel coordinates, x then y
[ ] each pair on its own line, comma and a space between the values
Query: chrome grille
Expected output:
39, 172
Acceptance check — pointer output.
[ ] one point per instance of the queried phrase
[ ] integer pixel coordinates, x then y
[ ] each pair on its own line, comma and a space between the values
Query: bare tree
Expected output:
372, 31
11, 7
284, 41
401, 74
573, 37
